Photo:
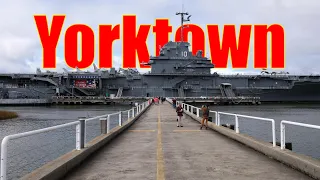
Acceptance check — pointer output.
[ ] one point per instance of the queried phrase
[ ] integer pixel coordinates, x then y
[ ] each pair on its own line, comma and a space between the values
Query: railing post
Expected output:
132, 113
237, 124
129, 114
80, 134
120, 116
282, 135
108, 124
3, 170
216, 117
198, 112
103, 125
273, 134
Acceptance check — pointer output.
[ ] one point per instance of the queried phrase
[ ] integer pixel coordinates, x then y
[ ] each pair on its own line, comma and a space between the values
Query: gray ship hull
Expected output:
300, 92
268, 88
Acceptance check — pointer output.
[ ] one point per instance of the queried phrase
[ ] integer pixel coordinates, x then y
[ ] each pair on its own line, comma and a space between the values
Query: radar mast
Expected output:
182, 14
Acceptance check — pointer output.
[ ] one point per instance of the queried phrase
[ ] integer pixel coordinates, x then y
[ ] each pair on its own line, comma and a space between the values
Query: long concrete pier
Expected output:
147, 144
155, 148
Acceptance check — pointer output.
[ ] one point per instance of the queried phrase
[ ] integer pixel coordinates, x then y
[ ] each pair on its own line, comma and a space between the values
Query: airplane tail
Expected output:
95, 67
66, 71
38, 71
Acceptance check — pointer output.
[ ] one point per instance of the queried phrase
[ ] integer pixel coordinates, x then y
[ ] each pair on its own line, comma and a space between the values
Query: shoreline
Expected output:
6, 115
48, 102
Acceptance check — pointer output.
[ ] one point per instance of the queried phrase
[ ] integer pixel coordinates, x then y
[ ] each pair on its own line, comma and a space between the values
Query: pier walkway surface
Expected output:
155, 148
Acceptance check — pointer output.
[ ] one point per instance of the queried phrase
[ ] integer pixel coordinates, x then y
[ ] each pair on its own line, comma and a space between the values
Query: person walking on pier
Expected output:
174, 102
179, 111
205, 116
156, 100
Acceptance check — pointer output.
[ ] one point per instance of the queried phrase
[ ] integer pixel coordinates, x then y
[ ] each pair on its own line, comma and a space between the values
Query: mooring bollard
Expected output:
287, 145
230, 126
103, 125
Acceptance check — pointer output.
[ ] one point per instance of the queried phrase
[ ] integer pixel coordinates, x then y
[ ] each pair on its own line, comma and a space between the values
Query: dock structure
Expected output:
73, 100
149, 145
219, 100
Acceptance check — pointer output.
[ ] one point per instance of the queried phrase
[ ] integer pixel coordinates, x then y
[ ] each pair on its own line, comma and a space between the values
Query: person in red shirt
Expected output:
179, 111
156, 100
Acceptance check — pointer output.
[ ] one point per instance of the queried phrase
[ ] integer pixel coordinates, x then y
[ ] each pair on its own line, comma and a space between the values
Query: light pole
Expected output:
206, 91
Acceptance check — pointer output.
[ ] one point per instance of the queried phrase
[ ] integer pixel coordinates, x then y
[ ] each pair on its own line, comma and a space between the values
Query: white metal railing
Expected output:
189, 109
273, 130
80, 132
283, 132
6, 139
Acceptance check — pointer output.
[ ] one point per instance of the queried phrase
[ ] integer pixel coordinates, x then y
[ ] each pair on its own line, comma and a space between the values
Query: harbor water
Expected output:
28, 153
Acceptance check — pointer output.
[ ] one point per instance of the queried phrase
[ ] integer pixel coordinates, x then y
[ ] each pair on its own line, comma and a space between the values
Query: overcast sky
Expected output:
21, 50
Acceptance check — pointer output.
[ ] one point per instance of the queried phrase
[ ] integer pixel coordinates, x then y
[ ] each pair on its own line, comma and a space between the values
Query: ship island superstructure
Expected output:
176, 72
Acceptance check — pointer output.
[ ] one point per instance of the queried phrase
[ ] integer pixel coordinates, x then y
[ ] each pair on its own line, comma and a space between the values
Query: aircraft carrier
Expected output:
176, 72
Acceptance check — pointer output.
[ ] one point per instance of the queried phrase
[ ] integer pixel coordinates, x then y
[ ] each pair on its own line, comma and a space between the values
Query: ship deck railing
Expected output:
264, 87
218, 97
96, 97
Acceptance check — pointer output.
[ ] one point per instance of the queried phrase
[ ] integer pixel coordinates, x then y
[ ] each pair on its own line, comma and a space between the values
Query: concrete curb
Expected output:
302, 163
59, 167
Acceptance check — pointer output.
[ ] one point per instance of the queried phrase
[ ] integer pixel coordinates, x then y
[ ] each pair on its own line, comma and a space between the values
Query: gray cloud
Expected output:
21, 51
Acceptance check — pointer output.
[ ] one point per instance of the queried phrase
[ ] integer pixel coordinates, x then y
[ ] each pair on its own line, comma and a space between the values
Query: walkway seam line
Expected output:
160, 162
